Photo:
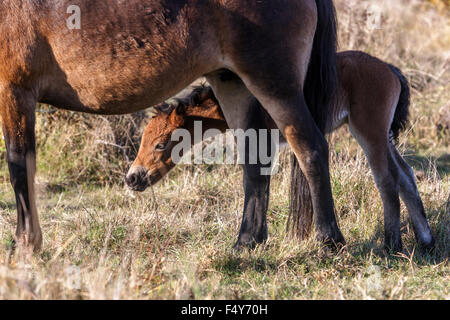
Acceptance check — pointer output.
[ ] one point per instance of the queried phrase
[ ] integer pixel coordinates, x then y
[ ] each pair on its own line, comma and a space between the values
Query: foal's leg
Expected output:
411, 197
386, 174
17, 108
239, 109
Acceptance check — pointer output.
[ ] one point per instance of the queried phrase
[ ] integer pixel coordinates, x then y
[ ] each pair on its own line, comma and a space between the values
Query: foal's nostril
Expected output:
137, 180
132, 180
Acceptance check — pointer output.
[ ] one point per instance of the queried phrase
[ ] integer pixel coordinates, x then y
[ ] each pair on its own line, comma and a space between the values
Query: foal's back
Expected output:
368, 93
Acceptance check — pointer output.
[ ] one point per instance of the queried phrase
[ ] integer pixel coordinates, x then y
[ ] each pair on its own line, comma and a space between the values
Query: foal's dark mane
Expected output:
197, 96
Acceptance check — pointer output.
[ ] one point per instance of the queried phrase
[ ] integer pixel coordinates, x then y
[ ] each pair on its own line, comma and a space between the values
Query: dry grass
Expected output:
174, 243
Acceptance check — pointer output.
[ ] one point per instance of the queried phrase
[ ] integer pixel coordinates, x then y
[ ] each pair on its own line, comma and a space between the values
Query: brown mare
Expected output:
373, 98
128, 55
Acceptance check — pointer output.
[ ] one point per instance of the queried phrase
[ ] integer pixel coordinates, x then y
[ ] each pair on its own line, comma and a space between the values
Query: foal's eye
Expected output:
161, 146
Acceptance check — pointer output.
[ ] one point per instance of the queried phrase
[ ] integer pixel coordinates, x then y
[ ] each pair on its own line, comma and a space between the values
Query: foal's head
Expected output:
154, 158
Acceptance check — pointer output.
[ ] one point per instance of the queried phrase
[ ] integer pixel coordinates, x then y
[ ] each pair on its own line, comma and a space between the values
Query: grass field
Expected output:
103, 242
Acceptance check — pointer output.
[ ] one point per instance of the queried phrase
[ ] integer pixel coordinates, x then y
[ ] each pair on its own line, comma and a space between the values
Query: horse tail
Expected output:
322, 78
319, 91
300, 203
402, 111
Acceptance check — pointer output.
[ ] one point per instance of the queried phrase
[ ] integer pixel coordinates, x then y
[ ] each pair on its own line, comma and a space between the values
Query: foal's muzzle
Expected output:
137, 179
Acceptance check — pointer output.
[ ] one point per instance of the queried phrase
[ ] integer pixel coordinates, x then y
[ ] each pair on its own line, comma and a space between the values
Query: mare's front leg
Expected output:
254, 222
256, 183
17, 109
242, 112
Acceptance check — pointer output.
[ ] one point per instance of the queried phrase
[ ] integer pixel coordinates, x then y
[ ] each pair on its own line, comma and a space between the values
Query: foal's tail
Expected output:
402, 111
319, 91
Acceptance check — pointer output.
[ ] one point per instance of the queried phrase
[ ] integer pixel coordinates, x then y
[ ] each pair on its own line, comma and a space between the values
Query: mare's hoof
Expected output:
30, 242
335, 241
428, 247
394, 248
241, 246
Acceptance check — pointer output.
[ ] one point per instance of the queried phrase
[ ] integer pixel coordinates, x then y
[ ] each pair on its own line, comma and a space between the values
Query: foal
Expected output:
373, 98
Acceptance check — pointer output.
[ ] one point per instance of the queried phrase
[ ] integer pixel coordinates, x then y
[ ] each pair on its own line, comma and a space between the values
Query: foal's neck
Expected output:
210, 118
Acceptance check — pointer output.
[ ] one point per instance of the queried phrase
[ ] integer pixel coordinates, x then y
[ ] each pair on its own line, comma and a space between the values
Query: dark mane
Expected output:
199, 94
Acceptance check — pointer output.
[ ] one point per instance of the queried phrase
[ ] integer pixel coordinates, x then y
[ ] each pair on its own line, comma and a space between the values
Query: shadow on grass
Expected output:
440, 224
10, 205
424, 164
56, 188
61, 187
234, 265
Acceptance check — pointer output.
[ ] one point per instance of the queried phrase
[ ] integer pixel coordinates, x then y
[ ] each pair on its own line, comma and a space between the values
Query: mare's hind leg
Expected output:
17, 109
386, 174
281, 95
411, 197
273, 60
242, 113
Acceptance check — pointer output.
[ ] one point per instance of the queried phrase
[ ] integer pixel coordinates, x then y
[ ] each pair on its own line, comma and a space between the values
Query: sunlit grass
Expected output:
102, 242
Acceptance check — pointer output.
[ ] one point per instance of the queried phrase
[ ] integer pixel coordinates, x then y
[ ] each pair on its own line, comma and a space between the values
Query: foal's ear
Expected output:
177, 115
